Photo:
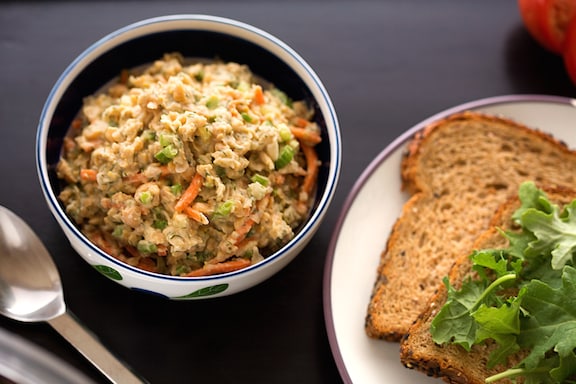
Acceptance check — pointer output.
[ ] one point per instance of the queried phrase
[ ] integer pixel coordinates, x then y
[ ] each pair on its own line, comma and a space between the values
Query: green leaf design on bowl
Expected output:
206, 291
108, 272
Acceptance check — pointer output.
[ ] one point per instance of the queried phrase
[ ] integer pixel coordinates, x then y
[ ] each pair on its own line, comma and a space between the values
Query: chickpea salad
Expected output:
190, 168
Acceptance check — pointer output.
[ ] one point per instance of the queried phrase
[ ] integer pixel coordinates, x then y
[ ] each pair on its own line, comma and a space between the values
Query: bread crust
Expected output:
409, 167
458, 170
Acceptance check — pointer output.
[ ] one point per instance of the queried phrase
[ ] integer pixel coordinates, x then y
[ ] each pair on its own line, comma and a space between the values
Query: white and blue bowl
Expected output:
196, 36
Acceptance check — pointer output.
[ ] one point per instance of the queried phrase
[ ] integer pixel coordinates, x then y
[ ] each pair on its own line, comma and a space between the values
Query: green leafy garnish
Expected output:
522, 297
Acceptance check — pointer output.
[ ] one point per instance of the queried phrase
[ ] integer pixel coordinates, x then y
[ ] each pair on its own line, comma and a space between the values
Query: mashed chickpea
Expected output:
190, 169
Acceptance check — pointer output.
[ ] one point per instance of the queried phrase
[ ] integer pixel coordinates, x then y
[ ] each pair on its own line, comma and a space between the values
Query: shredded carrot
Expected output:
312, 168
132, 251
88, 174
147, 264
190, 193
300, 122
77, 124
98, 239
196, 215
138, 178
226, 266
259, 95
202, 207
243, 230
162, 250
306, 135
124, 76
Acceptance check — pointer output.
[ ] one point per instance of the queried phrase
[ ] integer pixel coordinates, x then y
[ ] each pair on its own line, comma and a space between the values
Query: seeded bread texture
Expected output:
457, 171
451, 362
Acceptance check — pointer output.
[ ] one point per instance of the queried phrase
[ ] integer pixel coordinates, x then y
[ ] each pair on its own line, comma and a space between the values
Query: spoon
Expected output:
31, 291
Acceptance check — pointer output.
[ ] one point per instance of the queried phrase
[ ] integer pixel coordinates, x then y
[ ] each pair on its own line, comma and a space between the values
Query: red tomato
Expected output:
569, 54
531, 12
547, 20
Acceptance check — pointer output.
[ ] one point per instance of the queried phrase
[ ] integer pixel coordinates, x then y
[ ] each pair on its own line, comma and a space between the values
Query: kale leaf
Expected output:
522, 297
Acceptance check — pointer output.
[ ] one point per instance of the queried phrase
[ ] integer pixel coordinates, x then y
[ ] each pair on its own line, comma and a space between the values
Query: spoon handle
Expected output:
89, 346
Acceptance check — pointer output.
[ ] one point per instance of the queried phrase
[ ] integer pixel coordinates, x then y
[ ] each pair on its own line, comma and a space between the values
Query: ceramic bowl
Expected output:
196, 36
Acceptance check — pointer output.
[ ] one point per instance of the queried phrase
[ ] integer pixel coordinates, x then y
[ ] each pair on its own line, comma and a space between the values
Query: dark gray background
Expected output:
387, 65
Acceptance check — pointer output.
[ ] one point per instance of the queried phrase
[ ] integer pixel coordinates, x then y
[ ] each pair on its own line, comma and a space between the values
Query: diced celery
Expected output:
159, 224
176, 189
146, 247
146, 197
263, 180
285, 157
212, 102
166, 139
285, 133
166, 154
224, 209
118, 230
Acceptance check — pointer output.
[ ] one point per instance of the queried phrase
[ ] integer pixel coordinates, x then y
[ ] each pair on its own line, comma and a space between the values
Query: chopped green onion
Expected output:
166, 139
159, 224
145, 197
181, 270
243, 86
149, 135
285, 157
285, 133
263, 180
224, 209
199, 76
166, 154
146, 247
202, 256
118, 230
220, 171
246, 117
176, 189
212, 102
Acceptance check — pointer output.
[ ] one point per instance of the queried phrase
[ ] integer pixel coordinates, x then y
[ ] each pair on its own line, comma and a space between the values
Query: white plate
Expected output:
368, 214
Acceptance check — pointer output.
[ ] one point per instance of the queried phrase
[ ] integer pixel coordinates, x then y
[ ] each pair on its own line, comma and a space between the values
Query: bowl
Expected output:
199, 37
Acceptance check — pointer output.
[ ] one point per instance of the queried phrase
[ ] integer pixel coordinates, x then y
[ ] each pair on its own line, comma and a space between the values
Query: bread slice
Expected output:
458, 171
451, 362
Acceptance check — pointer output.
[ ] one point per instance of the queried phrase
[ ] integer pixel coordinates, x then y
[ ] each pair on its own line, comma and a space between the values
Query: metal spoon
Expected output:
31, 291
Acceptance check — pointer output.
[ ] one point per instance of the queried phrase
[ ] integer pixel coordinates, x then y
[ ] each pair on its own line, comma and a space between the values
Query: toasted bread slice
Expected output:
458, 171
451, 362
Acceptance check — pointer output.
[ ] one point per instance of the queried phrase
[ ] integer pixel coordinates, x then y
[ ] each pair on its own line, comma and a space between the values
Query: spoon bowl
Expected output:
31, 291
30, 287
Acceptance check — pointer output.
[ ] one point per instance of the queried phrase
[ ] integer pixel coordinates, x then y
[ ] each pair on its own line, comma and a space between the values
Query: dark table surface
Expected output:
387, 65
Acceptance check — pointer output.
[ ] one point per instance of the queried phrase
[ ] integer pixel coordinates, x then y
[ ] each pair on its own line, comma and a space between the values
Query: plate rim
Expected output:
369, 171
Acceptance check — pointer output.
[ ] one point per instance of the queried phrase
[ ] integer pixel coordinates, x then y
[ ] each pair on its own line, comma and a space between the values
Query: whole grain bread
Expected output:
458, 171
451, 362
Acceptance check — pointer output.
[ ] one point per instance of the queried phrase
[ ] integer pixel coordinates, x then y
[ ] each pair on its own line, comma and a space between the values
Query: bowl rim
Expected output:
213, 24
